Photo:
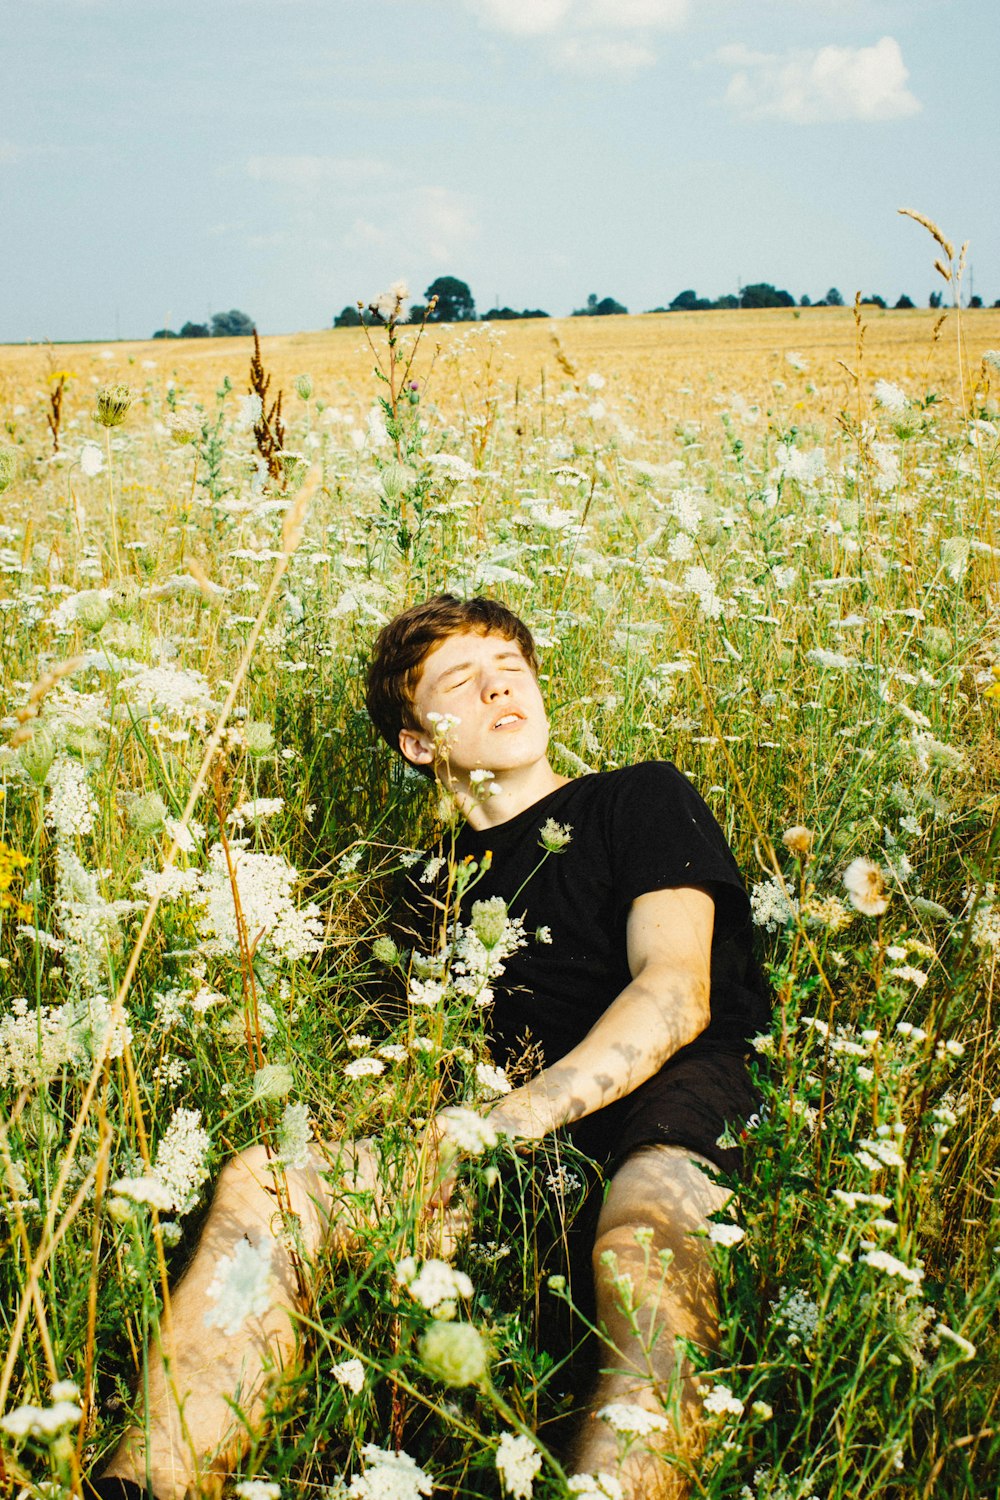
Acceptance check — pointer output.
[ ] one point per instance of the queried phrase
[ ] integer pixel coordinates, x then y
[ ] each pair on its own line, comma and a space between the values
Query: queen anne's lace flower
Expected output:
389, 1476
518, 1461
241, 1286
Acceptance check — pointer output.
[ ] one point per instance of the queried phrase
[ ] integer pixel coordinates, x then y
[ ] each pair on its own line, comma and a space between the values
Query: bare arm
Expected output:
666, 1005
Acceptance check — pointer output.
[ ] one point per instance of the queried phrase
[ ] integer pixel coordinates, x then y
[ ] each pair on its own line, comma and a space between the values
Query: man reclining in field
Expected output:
639, 1008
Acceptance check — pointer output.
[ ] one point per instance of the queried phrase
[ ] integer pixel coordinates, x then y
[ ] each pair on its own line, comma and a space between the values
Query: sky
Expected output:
161, 160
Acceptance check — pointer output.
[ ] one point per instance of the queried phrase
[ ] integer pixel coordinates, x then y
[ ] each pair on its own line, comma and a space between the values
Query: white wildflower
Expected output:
435, 1284
467, 1130
518, 1461
866, 888
149, 1191
771, 906
241, 1286
294, 1135
389, 1476
890, 396
492, 1080
249, 410
255, 811
720, 1402
91, 460
258, 1489
881, 1260
181, 1164
599, 1486
71, 806
636, 1421
349, 1373
699, 581
364, 1067
727, 1235
554, 836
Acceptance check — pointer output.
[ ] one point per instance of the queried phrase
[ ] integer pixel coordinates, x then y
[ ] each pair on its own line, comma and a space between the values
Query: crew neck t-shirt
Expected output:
639, 829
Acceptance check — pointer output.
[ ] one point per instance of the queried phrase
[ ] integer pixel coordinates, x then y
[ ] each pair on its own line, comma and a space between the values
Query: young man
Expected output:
640, 1005
638, 1008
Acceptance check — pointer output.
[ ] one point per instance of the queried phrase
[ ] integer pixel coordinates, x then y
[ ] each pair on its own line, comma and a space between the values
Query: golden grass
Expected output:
681, 358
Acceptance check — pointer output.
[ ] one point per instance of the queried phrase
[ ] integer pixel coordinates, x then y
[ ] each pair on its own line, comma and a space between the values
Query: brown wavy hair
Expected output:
402, 647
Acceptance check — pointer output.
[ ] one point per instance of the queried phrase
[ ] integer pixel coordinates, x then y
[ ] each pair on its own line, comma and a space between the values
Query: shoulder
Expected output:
656, 781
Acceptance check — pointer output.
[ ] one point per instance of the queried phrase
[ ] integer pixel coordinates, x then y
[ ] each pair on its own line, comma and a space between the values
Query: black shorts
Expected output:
704, 1101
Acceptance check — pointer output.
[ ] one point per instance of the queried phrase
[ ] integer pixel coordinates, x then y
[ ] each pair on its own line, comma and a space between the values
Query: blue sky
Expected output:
161, 160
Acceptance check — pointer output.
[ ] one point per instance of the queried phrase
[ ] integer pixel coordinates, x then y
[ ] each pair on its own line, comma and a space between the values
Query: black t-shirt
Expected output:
643, 828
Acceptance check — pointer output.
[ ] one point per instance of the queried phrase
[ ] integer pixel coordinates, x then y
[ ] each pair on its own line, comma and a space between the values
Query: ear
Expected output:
416, 747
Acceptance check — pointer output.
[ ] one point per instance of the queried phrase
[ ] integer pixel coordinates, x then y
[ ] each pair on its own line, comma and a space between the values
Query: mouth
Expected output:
507, 719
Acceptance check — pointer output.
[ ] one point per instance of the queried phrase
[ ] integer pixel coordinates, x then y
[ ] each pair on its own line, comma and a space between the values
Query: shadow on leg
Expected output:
208, 1387
646, 1300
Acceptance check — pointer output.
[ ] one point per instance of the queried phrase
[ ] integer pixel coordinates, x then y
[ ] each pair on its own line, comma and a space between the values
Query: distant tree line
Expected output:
449, 300
224, 325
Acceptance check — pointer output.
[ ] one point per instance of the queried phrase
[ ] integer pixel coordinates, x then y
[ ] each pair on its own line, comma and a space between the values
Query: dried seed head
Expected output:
931, 227
798, 839
113, 402
304, 386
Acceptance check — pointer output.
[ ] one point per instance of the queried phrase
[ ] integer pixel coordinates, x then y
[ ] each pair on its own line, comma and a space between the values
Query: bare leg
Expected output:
211, 1385
662, 1190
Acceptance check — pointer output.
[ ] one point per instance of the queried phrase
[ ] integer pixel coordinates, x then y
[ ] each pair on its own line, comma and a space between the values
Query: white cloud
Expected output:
310, 173
615, 15
596, 55
833, 83
435, 223
522, 17
543, 17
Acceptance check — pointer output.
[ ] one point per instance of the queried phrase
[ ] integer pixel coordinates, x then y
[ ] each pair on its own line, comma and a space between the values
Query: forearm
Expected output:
653, 1017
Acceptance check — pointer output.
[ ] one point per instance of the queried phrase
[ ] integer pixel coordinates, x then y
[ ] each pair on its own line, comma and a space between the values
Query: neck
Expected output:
518, 790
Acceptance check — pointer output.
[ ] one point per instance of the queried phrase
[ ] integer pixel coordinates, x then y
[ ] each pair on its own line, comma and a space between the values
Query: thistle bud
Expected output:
37, 754
92, 610
147, 814
9, 465
113, 402
304, 386
258, 736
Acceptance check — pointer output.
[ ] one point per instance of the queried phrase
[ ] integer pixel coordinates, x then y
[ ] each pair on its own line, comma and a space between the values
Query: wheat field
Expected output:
765, 546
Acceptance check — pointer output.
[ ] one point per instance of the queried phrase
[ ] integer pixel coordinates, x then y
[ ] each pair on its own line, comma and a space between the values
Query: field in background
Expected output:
737, 554
652, 356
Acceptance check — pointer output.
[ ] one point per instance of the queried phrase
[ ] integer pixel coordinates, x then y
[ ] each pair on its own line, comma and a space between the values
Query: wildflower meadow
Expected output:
764, 547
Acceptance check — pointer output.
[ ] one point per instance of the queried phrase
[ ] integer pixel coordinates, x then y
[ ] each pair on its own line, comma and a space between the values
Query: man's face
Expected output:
485, 683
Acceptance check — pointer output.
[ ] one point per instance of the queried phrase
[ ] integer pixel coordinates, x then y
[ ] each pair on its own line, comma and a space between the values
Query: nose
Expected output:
494, 688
